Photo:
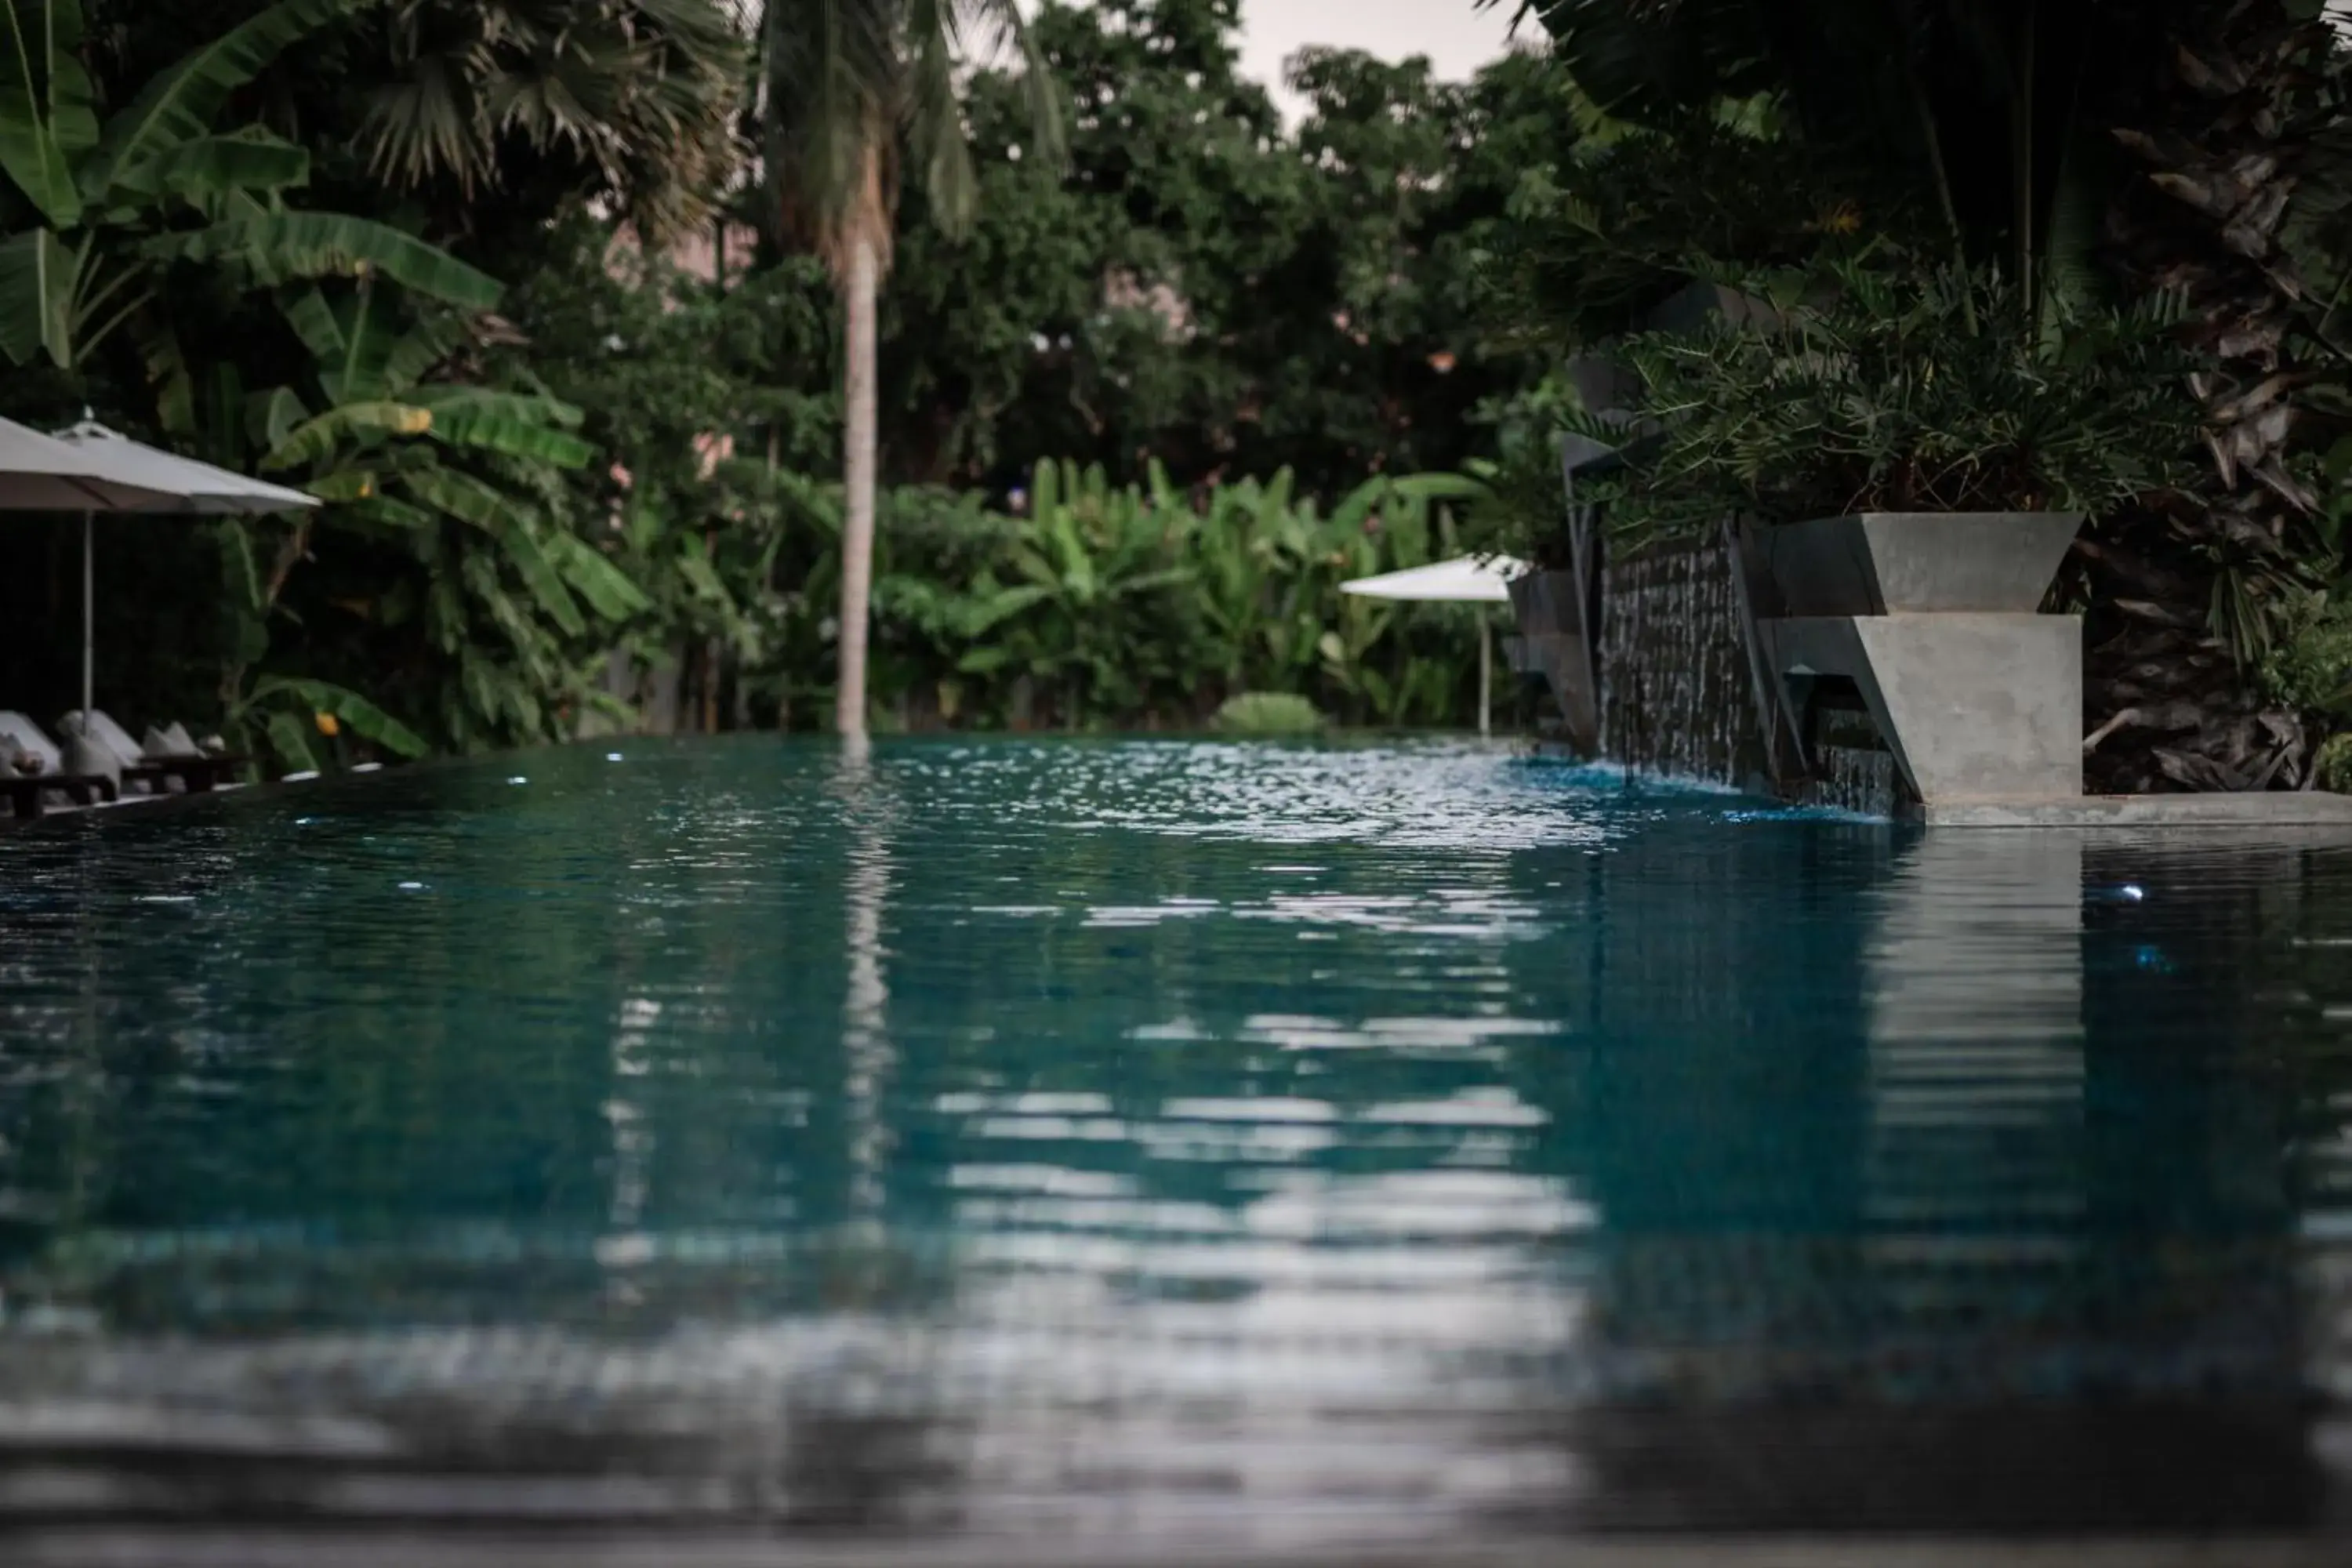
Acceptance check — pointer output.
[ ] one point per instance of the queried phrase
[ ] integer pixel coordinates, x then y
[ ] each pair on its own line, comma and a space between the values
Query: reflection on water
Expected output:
1232, 1144
865, 1045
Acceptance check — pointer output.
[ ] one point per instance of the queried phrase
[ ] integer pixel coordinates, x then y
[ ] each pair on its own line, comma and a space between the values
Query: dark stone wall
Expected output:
1676, 692
1679, 694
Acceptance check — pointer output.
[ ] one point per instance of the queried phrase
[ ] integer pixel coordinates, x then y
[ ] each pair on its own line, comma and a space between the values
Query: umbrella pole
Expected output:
1485, 673
88, 626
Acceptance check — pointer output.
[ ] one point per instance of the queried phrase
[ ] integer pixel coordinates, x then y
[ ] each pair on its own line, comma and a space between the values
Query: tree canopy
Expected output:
523, 317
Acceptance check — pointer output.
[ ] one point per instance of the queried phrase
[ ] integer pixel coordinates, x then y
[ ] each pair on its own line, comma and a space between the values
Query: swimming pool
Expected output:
1249, 1145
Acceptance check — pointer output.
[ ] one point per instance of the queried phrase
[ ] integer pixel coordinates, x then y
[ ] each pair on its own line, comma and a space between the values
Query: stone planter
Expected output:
1896, 563
1698, 303
1600, 382
1933, 618
1549, 608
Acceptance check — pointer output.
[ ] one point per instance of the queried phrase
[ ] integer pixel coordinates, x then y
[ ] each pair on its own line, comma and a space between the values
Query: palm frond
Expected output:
207, 169
46, 104
855, 90
39, 278
316, 437
833, 84
643, 92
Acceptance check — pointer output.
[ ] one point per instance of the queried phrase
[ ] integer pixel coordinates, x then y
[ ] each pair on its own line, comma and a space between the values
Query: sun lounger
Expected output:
28, 797
195, 770
27, 794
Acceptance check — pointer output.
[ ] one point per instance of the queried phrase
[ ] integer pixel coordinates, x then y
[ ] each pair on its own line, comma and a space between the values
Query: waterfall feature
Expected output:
1680, 687
1676, 690
1671, 675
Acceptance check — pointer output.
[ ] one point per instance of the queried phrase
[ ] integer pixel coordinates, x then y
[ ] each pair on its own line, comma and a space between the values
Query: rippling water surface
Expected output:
1239, 1144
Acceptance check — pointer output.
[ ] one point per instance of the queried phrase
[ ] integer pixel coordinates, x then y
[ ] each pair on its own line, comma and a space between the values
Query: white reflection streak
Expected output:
622, 1243
869, 1058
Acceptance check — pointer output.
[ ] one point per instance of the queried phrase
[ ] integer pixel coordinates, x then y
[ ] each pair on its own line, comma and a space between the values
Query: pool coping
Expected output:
2312, 815
133, 1547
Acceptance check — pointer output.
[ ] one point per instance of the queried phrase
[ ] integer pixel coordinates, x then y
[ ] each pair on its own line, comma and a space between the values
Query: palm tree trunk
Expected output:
857, 481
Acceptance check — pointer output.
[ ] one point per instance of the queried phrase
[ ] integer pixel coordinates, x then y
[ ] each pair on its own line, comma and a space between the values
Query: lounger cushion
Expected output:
29, 737
88, 757
108, 733
20, 758
168, 745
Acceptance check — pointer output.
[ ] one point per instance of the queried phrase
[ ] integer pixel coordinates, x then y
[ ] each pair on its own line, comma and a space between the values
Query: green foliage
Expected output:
1267, 713
113, 207
1599, 237
177, 105
1136, 608
856, 89
446, 565
1203, 287
274, 247
2308, 664
689, 387
2332, 767
1856, 389
1090, 604
286, 711
292, 270
2092, 151
1989, 115
638, 97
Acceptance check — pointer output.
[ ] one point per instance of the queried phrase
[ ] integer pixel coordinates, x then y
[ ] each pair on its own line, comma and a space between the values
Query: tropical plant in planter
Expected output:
1880, 391
2189, 146
1909, 457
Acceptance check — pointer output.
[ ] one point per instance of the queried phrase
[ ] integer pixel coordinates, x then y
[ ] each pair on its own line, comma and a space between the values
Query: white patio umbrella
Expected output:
41, 473
148, 479
1467, 580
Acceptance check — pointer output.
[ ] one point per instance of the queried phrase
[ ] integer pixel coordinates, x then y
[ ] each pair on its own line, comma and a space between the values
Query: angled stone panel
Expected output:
1975, 707
1549, 606
1879, 563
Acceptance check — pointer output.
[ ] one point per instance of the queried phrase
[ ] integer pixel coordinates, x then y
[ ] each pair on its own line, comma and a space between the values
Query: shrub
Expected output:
1268, 713
2333, 766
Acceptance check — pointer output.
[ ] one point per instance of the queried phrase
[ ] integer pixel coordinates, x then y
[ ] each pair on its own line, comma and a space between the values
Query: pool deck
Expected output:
135, 1548
2301, 809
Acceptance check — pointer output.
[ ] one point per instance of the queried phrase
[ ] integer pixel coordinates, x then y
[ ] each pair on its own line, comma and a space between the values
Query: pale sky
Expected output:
1455, 35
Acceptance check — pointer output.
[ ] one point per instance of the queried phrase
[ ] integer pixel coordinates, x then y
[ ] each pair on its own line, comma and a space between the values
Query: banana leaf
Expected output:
538, 574
512, 424
608, 590
178, 105
46, 118
392, 515
39, 277
462, 496
291, 741
363, 717
279, 246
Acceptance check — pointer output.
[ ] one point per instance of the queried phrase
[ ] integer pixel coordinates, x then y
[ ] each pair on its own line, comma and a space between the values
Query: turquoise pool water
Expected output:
1250, 1144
